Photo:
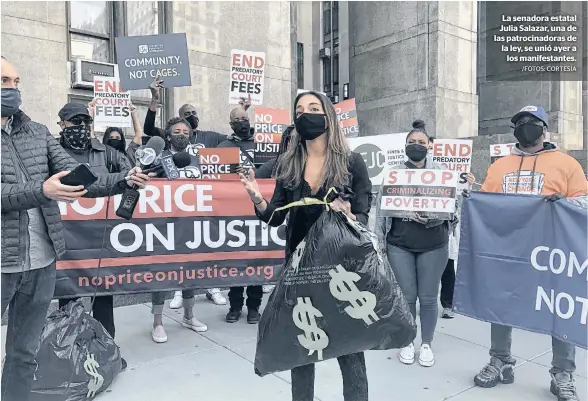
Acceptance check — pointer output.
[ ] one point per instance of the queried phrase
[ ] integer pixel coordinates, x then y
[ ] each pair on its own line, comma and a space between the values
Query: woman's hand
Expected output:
340, 205
133, 108
471, 178
250, 184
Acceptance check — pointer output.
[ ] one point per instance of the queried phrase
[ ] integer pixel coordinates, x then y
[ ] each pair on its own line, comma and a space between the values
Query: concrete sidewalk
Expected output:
218, 365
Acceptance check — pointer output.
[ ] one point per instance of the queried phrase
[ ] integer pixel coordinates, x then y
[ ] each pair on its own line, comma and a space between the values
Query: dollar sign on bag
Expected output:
313, 339
342, 286
96, 381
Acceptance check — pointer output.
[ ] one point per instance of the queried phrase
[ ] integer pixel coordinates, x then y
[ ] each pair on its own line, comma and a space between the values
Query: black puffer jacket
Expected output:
40, 156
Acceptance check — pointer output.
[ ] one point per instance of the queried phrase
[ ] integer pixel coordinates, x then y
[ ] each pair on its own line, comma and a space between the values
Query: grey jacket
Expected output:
384, 224
40, 155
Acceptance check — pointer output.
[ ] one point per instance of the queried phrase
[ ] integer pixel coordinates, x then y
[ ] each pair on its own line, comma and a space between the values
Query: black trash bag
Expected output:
77, 358
337, 296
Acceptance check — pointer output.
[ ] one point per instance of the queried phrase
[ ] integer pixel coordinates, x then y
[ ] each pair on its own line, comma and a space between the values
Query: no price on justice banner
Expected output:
184, 234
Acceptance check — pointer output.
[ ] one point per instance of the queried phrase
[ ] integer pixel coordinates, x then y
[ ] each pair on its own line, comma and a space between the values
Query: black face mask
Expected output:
528, 134
76, 137
416, 152
193, 120
179, 142
310, 126
241, 128
115, 143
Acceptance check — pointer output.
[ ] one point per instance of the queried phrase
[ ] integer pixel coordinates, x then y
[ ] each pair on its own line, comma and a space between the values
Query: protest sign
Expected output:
184, 234
455, 155
380, 153
347, 116
269, 124
112, 105
430, 193
141, 59
247, 70
523, 263
217, 163
500, 150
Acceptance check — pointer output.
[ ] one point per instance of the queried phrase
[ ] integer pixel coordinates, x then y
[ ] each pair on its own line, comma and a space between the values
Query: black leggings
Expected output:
355, 384
448, 285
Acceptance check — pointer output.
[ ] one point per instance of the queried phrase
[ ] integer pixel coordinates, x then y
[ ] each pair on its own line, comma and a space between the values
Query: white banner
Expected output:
430, 193
247, 71
112, 105
380, 152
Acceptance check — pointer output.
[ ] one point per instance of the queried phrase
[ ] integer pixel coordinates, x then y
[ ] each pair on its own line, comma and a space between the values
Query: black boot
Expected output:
253, 316
233, 315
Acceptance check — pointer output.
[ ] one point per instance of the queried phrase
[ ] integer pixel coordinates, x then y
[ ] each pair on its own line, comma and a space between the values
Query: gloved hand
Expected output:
554, 197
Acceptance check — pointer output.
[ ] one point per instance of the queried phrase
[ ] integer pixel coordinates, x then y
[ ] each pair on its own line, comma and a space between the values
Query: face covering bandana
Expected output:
416, 152
115, 143
193, 120
528, 134
179, 142
311, 126
10, 101
241, 128
76, 137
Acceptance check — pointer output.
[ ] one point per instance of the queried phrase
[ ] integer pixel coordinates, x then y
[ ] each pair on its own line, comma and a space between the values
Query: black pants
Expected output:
355, 383
447, 285
254, 295
102, 310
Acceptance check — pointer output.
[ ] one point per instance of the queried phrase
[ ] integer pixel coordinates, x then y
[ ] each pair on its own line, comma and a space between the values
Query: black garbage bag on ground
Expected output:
77, 358
337, 296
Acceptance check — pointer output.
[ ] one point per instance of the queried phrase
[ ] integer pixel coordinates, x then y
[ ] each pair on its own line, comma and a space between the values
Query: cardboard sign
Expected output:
429, 193
455, 155
380, 153
141, 59
112, 105
269, 124
246, 76
500, 150
347, 115
217, 162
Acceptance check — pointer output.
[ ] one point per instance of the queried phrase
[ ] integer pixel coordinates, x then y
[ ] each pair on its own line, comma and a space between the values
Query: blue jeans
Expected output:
29, 294
419, 275
564, 354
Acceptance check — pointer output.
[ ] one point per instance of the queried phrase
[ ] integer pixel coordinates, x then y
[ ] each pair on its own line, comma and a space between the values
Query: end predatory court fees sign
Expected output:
184, 234
523, 263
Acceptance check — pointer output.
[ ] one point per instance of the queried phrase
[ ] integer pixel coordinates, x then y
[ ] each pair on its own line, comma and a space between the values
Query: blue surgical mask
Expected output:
10, 101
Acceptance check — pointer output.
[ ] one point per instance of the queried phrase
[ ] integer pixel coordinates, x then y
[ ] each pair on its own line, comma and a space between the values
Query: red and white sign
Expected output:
501, 149
455, 155
247, 72
429, 193
112, 105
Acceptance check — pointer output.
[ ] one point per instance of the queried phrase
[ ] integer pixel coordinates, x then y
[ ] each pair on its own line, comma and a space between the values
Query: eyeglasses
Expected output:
79, 121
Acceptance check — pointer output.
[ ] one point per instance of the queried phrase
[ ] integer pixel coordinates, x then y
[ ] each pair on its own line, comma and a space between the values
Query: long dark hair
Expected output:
336, 169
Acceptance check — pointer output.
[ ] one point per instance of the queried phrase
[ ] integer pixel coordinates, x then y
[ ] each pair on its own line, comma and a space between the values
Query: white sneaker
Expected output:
406, 355
426, 356
177, 301
194, 324
158, 334
215, 296
268, 288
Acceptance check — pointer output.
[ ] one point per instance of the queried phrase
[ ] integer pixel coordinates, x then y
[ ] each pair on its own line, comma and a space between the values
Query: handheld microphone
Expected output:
144, 158
170, 165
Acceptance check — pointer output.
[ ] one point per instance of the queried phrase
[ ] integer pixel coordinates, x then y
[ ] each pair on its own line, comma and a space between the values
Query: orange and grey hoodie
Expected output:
546, 172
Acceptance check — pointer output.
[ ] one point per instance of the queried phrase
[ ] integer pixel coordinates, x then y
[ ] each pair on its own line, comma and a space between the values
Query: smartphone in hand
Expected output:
81, 175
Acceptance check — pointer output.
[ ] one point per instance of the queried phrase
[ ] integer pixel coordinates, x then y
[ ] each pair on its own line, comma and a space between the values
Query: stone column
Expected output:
414, 60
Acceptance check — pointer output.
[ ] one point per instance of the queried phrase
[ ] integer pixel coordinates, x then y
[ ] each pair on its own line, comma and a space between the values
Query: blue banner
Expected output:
523, 262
